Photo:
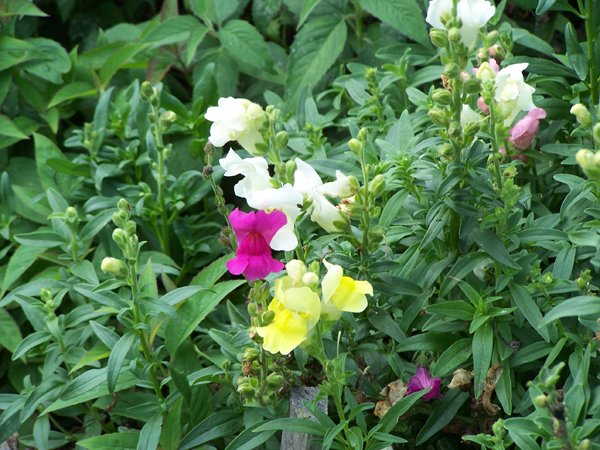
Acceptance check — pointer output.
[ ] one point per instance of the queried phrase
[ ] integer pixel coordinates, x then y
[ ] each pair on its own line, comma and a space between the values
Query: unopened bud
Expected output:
548, 278
454, 35
445, 150
439, 38
130, 227
167, 118
267, 317
472, 86
71, 215
251, 353
355, 146
541, 401
146, 90
441, 96
310, 279
582, 114
491, 38
281, 140
362, 135
252, 309
586, 444
119, 218
46, 295
498, 428
451, 70
589, 162
438, 116
275, 380
123, 205
377, 185
119, 237
114, 267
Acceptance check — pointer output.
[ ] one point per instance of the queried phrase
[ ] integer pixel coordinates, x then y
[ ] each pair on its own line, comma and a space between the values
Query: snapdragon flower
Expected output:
297, 310
523, 132
342, 293
423, 380
254, 231
473, 14
512, 94
236, 119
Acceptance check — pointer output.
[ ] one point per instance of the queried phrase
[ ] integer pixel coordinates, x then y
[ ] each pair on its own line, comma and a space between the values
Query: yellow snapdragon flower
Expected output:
342, 293
297, 310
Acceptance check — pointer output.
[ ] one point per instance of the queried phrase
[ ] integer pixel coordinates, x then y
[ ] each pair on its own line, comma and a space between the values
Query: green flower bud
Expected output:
267, 317
281, 140
438, 116
596, 133
498, 428
355, 146
46, 295
472, 86
376, 232
167, 118
251, 353
541, 401
455, 130
114, 267
119, 218
439, 38
275, 381
451, 70
362, 135
146, 90
377, 185
548, 278
454, 35
441, 96
586, 444
445, 150
252, 309
590, 163
119, 237
246, 391
123, 205
71, 215
491, 38
582, 114
130, 228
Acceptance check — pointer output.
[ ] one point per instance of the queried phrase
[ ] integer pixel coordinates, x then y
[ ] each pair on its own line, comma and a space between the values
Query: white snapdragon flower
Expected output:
236, 119
468, 115
512, 94
308, 183
255, 171
473, 14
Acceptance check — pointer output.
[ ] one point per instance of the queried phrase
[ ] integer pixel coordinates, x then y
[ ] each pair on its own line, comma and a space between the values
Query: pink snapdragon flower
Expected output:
423, 380
522, 134
483, 107
254, 232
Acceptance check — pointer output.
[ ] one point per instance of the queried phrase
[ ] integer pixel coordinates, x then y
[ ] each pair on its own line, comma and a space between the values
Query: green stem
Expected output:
590, 38
160, 181
493, 133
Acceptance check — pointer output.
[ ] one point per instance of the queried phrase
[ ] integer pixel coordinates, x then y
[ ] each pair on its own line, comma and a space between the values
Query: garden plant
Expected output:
206, 205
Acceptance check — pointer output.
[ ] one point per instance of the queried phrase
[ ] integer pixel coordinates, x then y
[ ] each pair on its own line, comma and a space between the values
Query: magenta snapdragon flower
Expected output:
254, 232
522, 134
423, 380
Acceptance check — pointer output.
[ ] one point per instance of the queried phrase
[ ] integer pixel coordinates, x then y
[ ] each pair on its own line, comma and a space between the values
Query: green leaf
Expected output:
117, 358
171, 433
178, 295
313, 52
307, 7
45, 239
574, 307
246, 46
483, 344
219, 424
118, 59
529, 309
493, 246
126, 440
51, 61
45, 149
543, 6
8, 128
19, 262
150, 434
404, 15
293, 424
249, 439
452, 357
389, 420
10, 334
194, 310
91, 385
41, 432
14, 51
441, 416
31, 341
21, 8
574, 52
72, 91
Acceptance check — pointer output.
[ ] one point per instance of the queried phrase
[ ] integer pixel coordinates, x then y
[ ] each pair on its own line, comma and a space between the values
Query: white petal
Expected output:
305, 177
436, 9
324, 213
339, 188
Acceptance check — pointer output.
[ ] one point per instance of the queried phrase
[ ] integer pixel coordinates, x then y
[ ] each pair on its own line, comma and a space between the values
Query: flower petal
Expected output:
268, 224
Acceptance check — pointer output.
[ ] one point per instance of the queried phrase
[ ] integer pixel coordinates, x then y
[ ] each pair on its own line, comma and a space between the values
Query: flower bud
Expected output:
46, 295
252, 309
498, 428
586, 444
167, 118
355, 146
582, 114
445, 150
123, 205
541, 401
377, 185
247, 391
71, 215
451, 70
454, 35
119, 237
454, 129
439, 38
362, 135
491, 38
146, 90
548, 278
281, 140
596, 133
441, 96
275, 380
267, 317
310, 279
589, 162
114, 267
130, 228
472, 86
251, 353
486, 72
438, 116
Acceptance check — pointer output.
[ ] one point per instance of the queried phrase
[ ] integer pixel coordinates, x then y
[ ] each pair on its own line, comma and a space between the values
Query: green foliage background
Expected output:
74, 131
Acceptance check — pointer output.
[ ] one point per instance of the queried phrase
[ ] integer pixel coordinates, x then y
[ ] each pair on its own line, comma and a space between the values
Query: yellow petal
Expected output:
285, 333
350, 295
304, 301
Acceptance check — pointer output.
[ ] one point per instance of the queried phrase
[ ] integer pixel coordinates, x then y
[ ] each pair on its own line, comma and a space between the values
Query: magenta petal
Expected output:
242, 223
268, 224
237, 265
262, 265
423, 380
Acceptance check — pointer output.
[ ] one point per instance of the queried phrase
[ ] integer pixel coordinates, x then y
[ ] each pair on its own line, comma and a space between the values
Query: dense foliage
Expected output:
465, 223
